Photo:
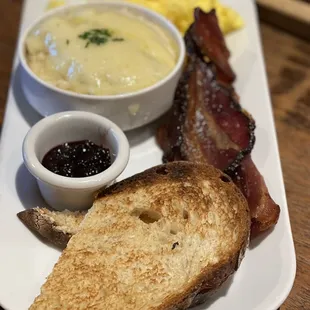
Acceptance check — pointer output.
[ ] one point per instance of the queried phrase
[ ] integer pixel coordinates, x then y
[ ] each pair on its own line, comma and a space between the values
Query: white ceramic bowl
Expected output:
73, 193
128, 111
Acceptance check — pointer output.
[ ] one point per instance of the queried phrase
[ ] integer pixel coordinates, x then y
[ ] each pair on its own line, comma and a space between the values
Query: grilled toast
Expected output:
153, 241
53, 226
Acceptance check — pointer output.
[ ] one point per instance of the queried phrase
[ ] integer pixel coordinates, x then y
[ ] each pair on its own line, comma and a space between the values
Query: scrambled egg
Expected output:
180, 12
52, 4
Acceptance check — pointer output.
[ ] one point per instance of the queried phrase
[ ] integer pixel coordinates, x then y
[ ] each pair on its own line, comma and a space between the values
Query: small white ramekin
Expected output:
73, 193
129, 110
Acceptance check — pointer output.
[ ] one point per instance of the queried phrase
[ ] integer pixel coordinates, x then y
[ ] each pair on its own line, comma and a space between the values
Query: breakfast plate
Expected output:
267, 272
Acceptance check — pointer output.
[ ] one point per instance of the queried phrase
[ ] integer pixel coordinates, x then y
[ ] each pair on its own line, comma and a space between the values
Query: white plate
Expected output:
266, 274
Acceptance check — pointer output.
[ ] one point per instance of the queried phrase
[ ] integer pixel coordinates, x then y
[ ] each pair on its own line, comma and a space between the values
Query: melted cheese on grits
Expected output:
137, 55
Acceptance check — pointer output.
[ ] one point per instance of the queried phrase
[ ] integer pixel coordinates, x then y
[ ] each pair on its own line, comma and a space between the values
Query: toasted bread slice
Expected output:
153, 241
56, 227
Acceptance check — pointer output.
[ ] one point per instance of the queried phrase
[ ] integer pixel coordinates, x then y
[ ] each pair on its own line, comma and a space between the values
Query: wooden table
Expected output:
288, 67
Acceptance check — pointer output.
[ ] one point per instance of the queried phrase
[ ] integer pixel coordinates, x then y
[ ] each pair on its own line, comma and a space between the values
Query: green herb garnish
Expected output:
98, 36
67, 41
118, 39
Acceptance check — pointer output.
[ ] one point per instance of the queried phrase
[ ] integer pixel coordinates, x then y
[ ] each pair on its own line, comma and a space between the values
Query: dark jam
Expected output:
77, 159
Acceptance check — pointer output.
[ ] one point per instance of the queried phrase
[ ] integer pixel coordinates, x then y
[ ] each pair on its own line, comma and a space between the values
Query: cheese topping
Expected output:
100, 52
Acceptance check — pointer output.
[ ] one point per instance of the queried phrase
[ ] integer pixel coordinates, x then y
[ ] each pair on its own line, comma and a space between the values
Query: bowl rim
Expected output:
41, 173
169, 26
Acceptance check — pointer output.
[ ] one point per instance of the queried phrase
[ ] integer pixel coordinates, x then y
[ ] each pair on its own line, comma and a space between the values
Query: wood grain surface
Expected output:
291, 15
288, 67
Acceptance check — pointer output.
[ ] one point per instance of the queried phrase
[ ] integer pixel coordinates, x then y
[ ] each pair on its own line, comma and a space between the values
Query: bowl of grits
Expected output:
116, 59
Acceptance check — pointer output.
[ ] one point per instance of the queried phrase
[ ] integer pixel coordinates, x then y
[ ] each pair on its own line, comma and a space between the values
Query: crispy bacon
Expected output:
264, 211
201, 127
209, 39
207, 124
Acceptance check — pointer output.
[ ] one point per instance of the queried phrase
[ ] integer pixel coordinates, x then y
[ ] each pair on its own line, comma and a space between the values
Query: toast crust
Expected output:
55, 227
183, 179
210, 281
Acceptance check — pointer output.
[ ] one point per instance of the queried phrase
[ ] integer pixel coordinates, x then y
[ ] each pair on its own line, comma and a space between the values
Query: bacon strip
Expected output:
209, 39
264, 211
201, 127
207, 124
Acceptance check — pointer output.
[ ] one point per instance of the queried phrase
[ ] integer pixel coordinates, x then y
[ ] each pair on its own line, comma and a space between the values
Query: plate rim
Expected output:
278, 301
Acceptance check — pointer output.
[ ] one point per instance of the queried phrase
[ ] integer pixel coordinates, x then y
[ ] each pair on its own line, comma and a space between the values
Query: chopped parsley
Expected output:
118, 39
98, 37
